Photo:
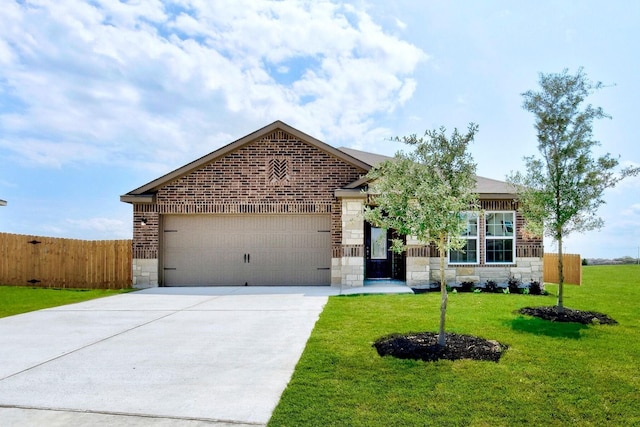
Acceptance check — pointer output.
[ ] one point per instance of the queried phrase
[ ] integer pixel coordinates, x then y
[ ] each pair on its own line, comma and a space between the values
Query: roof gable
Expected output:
145, 192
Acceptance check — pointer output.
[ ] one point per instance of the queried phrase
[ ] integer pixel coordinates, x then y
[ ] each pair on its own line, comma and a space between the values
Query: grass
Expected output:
552, 374
20, 299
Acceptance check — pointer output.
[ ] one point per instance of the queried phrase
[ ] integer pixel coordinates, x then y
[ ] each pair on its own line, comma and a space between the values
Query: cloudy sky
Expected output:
100, 97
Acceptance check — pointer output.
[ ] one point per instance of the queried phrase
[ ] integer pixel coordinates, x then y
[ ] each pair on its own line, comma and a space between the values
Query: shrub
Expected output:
491, 286
513, 285
466, 287
536, 288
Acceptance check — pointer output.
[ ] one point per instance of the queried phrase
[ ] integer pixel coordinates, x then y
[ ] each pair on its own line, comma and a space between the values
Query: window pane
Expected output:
500, 224
469, 253
472, 224
378, 243
499, 250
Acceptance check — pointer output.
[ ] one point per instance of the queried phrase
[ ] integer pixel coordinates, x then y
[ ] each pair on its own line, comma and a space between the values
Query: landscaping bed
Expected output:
568, 315
424, 346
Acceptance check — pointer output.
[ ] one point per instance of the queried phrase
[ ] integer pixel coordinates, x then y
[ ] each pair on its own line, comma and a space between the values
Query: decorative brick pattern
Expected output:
278, 171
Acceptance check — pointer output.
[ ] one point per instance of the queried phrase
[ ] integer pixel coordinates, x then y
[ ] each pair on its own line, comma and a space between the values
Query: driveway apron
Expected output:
193, 356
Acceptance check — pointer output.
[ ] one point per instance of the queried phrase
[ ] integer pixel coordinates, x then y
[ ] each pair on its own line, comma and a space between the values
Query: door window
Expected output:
378, 243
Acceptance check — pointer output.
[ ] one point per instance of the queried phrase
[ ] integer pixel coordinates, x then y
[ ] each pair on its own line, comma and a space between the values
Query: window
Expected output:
500, 237
378, 243
469, 252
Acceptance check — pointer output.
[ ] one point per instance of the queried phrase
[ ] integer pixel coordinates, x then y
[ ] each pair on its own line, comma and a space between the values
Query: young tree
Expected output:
562, 189
424, 194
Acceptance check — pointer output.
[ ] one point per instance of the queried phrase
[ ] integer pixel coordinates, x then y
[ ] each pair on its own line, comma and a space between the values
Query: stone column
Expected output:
352, 262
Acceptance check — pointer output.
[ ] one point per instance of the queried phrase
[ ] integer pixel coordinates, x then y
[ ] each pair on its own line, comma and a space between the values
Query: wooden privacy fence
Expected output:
64, 263
571, 267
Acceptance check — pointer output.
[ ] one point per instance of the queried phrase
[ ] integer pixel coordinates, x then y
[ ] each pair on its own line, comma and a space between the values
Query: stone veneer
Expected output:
351, 263
422, 271
145, 273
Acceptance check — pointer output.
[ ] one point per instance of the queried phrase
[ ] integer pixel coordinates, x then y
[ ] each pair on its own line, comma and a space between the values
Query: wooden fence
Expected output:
64, 263
571, 267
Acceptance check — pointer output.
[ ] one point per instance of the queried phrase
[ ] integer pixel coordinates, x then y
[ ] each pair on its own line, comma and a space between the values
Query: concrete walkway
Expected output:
159, 357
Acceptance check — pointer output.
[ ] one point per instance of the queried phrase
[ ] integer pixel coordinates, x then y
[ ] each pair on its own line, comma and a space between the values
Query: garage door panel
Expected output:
252, 249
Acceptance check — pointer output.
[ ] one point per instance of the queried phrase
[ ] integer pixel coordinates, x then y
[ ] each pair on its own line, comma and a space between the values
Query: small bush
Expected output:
536, 288
467, 286
491, 286
513, 285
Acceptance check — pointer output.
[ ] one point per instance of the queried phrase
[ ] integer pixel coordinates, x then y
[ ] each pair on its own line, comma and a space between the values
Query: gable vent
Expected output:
278, 171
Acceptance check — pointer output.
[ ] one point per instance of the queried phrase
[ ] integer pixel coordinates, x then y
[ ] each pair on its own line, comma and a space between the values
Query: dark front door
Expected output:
379, 258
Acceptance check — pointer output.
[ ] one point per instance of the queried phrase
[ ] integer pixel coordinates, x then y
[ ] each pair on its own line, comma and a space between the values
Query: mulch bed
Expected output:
424, 346
568, 315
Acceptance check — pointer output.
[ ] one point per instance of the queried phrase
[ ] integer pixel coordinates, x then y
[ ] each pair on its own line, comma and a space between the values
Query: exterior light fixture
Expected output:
143, 222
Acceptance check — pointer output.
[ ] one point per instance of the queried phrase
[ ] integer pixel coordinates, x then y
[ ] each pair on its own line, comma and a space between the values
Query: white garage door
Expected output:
246, 249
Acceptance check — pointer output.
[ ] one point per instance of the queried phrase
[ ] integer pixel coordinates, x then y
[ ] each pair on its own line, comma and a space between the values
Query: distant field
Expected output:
18, 299
553, 374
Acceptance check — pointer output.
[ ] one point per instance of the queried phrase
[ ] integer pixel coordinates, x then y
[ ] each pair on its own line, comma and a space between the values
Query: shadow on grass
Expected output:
544, 327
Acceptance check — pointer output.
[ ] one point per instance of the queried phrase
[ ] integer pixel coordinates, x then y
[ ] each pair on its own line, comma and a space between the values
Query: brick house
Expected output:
279, 207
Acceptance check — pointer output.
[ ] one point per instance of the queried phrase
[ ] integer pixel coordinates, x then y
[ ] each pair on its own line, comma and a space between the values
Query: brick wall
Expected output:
275, 174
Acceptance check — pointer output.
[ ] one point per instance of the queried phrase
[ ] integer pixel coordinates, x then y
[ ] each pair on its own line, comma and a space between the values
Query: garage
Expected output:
253, 250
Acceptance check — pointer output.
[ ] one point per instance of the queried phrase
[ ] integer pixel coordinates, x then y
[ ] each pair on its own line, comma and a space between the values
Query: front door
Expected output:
379, 259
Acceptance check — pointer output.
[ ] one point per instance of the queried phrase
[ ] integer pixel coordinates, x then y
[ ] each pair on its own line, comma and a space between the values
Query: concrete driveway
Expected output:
158, 357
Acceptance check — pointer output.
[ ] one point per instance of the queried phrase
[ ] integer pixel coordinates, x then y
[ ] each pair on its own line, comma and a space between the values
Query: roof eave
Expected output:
138, 198
343, 193
497, 196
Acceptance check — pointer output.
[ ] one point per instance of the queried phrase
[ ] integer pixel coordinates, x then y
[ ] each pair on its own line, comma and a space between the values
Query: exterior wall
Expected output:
418, 271
145, 273
352, 253
423, 262
525, 270
242, 182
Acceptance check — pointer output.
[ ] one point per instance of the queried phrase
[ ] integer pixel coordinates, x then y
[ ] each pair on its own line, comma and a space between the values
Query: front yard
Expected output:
552, 374
21, 299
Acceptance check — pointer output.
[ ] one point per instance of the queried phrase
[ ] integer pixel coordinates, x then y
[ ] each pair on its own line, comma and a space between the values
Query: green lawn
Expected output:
553, 374
17, 299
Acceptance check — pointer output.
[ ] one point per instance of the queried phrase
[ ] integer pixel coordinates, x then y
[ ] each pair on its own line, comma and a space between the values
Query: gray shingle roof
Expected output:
485, 186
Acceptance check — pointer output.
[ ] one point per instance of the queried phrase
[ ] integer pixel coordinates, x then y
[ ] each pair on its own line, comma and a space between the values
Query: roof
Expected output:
145, 194
486, 187
369, 158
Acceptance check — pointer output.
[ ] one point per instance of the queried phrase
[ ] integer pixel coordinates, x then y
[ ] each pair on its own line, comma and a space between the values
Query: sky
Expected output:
100, 97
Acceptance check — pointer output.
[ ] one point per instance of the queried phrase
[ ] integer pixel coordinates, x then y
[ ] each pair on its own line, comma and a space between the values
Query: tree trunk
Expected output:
443, 292
560, 278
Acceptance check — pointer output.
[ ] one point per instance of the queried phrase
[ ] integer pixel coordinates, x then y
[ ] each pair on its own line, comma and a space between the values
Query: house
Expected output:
279, 207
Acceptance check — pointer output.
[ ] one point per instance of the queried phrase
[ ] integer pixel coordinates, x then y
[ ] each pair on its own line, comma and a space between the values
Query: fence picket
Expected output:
65, 263
571, 268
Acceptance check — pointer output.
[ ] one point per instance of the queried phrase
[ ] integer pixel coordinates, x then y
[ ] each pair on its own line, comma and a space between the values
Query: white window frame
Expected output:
488, 237
470, 214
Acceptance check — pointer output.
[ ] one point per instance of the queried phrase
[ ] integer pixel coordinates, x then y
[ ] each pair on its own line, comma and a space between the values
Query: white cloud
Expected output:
108, 81
401, 25
632, 210
114, 228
